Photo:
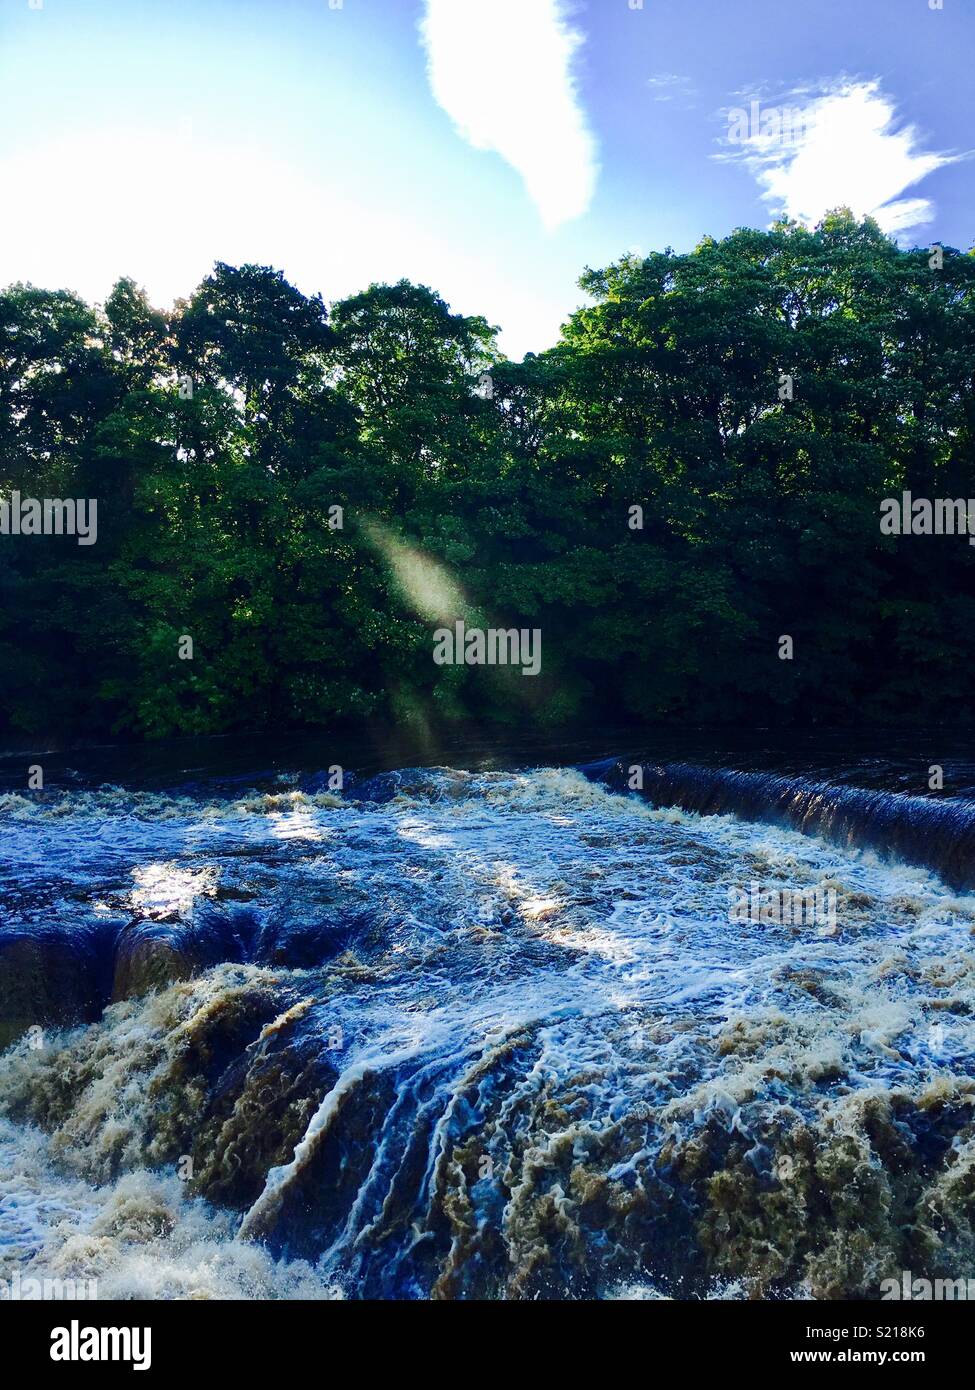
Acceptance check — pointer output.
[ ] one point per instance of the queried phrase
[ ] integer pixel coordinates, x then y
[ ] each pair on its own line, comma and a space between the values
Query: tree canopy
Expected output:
301, 490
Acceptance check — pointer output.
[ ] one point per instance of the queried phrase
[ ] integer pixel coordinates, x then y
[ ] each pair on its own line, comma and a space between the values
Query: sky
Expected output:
491, 149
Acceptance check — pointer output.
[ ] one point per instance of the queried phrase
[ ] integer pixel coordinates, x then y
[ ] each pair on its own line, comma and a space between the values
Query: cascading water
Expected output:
487, 1034
938, 834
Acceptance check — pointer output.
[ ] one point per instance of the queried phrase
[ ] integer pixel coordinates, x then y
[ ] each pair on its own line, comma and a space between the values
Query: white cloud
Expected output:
668, 86
843, 147
503, 74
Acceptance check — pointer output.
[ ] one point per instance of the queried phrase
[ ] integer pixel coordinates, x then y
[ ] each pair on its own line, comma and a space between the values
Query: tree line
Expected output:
693, 472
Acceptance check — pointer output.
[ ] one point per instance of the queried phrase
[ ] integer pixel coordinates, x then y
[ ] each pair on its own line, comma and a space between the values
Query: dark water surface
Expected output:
894, 761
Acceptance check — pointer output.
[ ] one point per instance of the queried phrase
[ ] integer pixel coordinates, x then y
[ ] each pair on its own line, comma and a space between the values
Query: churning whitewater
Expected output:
468, 1035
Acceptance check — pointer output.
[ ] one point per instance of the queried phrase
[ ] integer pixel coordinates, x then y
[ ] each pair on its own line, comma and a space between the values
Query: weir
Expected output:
935, 834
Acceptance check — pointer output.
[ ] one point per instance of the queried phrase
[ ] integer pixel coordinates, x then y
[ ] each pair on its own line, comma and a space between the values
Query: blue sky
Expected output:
489, 148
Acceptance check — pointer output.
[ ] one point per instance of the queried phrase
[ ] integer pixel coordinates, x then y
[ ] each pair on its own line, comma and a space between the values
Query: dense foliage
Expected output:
220, 438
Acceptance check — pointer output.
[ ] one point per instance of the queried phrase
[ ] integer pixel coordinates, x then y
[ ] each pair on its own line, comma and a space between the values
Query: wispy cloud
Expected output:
670, 86
503, 73
840, 146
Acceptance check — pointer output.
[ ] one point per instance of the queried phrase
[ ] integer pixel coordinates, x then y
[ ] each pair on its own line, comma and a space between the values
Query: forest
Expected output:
292, 496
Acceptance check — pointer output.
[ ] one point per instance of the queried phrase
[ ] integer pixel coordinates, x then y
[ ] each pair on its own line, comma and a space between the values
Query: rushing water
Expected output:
489, 1033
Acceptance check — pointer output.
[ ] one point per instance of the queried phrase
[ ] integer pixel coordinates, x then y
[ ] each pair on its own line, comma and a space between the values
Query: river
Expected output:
482, 1025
